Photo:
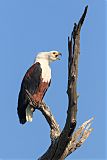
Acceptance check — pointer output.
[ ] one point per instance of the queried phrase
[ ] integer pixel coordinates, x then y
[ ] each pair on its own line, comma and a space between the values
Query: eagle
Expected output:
36, 81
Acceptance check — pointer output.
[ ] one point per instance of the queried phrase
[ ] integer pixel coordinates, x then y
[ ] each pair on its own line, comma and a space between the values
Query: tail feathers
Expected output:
22, 115
23, 121
29, 113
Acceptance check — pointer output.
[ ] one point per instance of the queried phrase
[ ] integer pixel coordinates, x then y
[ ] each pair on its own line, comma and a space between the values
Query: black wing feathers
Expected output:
30, 82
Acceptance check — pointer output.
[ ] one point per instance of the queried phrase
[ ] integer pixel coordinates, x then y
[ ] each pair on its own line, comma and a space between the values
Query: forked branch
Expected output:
65, 142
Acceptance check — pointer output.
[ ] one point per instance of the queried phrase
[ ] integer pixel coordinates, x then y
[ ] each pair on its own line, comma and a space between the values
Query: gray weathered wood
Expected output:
66, 141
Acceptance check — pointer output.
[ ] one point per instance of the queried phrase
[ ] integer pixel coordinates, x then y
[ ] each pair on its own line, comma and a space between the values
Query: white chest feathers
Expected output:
46, 72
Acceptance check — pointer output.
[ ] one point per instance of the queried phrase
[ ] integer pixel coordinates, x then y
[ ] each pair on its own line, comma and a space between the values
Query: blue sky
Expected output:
30, 26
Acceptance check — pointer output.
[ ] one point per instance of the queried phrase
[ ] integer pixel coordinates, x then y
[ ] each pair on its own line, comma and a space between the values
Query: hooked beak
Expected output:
59, 54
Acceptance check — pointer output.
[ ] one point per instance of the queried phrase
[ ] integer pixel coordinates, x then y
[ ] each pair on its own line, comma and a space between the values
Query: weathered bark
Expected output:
65, 142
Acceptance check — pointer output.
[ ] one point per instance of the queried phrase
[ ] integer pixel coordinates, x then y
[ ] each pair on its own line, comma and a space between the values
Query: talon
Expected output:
32, 109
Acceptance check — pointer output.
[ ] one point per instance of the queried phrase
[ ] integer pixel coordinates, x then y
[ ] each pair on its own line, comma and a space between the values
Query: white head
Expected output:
48, 56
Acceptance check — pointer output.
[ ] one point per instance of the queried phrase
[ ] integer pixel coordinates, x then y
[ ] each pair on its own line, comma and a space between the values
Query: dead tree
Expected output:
64, 142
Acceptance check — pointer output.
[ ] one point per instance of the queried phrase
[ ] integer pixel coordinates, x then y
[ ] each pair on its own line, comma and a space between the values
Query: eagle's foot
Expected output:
32, 109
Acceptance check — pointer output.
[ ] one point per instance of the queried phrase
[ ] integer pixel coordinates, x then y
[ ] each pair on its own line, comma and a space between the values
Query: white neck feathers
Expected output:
46, 70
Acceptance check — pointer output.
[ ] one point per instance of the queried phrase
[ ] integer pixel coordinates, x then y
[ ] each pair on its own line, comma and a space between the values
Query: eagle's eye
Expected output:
54, 52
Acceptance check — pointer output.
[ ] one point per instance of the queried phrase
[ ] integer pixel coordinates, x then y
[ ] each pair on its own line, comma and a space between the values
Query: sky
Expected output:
28, 27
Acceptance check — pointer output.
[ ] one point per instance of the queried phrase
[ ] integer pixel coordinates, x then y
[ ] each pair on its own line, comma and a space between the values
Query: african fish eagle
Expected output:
36, 81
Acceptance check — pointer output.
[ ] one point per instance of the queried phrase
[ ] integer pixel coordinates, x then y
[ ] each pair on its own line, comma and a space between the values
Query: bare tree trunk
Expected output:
66, 141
